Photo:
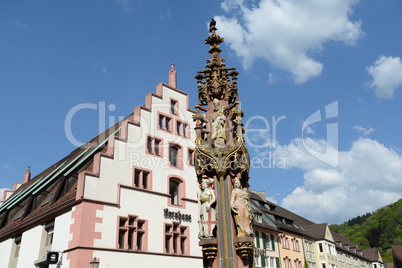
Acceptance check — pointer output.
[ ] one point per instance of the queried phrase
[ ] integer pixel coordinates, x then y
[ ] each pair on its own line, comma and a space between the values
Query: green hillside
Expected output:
381, 229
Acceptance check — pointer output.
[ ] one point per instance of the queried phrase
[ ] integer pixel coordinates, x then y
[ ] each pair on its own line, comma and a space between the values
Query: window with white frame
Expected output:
320, 247
295, 243
268, 241
49, 229
257, 260
287, 262
258, 217
309, 246
272, 262
311, 264
285, 242
331, 249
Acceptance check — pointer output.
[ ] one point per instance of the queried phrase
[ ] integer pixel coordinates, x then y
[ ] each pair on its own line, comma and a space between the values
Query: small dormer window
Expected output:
258, 217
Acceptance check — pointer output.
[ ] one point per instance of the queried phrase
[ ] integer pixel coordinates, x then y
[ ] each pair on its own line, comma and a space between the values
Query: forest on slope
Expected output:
381, 229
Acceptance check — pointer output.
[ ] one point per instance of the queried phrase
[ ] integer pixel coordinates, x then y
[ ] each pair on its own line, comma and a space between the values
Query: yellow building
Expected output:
323, 252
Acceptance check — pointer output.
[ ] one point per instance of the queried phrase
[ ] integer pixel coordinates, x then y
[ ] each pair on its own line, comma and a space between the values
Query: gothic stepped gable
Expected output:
60, 187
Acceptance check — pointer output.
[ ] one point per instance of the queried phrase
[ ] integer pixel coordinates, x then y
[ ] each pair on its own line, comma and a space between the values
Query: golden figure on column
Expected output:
243, 214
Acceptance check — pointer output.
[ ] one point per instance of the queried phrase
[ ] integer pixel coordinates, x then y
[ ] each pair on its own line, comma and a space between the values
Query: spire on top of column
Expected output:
216, 81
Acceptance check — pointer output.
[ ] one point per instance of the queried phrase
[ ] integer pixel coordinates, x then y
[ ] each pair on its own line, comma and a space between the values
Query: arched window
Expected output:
174, 192
175, 155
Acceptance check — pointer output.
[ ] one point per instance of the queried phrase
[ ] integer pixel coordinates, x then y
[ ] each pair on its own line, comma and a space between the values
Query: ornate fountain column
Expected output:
222, 165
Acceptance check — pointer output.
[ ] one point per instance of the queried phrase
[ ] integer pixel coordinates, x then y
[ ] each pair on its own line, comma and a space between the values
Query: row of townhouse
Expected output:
284, 239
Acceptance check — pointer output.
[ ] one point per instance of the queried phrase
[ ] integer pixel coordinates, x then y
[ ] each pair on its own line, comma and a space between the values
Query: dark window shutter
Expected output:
278, 265
262, 261
257, 238
264, 240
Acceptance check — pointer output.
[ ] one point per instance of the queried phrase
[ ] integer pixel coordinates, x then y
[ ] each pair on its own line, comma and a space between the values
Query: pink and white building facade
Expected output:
128, 197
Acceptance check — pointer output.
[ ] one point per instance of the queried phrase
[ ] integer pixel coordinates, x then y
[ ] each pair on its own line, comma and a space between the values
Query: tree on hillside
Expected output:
373, 237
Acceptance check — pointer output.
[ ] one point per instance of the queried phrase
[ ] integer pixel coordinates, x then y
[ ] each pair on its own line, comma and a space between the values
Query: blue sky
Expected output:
327, 74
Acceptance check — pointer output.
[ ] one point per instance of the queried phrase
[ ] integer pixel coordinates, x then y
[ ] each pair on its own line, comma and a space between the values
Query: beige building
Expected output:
325, 255
303, 242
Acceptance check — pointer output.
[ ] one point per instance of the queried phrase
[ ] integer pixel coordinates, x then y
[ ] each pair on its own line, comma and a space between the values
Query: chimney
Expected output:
172, 76
27, 175
263, 195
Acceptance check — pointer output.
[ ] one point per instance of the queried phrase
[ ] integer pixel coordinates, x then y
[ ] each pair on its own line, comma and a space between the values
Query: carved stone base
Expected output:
209, 248
243, 246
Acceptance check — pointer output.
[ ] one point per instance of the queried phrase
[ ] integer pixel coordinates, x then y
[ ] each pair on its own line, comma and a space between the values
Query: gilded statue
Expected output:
218, 125
241, 209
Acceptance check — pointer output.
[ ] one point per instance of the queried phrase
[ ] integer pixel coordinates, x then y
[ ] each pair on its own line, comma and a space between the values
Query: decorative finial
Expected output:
216, 81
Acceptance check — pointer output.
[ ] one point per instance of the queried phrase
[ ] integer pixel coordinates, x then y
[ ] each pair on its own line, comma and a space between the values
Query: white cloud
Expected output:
20, 24
286, 33
272, 199
128, 5
259, 139
101, 67
309, 130
5, 165
386, 73
296, 153
368, 177
363, 131
258, 134
163, 16
272, 78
